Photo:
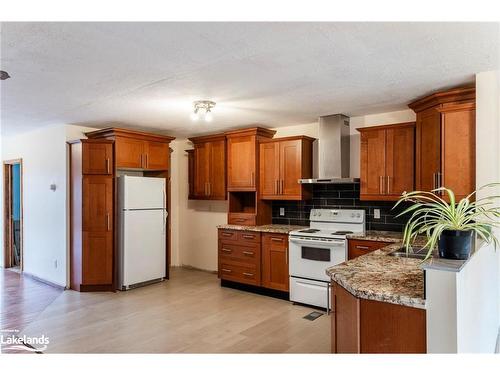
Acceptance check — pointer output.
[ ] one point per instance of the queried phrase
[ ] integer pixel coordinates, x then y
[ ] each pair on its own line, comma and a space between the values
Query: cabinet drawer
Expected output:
362, 247
245, 254
241, 218
239, 273
225, 234
249, 237
275, 240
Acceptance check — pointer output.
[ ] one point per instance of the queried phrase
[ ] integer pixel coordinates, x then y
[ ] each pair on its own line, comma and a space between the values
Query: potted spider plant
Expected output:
449, 224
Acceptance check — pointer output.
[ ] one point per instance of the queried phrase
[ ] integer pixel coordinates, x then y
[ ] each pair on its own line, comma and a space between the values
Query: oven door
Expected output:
310, 257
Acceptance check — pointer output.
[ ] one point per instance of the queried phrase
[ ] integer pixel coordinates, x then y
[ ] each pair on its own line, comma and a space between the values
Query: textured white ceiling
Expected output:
146, 75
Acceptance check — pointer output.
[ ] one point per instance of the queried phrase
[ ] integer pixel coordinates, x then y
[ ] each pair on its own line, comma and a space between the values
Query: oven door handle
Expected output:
315, 242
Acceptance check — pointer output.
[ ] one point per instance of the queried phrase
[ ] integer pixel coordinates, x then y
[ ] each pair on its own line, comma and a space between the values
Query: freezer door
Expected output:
142, 192
142, 246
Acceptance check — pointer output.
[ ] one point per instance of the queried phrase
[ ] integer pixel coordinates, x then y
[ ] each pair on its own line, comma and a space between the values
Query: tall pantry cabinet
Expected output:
94, 165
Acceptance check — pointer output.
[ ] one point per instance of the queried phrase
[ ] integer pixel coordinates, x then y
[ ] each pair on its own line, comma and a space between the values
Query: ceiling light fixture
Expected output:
199, 107
4, 75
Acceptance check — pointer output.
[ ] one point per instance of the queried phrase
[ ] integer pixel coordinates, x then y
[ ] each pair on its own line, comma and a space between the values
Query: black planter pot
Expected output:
455, 244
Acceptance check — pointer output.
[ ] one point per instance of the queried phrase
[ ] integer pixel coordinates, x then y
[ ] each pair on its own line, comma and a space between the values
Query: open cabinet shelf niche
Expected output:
245, 208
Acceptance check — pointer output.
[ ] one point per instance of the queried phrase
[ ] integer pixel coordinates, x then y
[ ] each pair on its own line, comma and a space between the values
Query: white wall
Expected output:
44, 211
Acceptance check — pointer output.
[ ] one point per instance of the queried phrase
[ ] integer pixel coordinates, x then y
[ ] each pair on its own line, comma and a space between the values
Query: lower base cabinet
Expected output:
253, 258
367, 326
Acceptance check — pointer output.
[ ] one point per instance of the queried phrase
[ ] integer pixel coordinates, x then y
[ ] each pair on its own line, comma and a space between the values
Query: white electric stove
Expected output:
313, 250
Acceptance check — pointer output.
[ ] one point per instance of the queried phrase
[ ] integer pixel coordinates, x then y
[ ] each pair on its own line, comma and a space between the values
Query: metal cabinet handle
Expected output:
276, 189
227, 250
362, 247
434, 180
249, 236
142, 162
226, 270
209, 189
225, 234
108, 221
277, 239
147, 161
241, 220
252, 179
107, 165
388, 188
247, 274
248, 253
282, 186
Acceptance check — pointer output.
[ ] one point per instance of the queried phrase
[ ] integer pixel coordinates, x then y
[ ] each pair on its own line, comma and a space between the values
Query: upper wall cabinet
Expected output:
243, 157
137, 150
208, 168
446, 141
387, 161
283, 161
97, 157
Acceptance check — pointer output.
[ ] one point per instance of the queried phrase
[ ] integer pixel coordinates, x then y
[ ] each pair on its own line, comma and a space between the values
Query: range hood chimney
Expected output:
331, 163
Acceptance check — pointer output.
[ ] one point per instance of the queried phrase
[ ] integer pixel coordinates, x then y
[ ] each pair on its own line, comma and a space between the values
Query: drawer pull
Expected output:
225, 234
249, 236
248, 274
226, 270
248, 253
241, 220
227, 250
277, 239
362, 247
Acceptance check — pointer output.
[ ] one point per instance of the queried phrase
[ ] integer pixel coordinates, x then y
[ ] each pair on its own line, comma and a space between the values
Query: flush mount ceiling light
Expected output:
202, 107
4, 75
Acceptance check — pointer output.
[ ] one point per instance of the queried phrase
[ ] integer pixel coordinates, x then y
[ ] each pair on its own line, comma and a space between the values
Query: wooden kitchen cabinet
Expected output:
209, 167
239, 258
367, 326
445, 141
156, 155
97, 157
97, 227
387, 161
243, 157
283, 162
357, 248
275, 261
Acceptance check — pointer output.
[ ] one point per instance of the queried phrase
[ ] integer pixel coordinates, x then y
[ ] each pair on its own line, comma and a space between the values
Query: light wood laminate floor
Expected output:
190, 313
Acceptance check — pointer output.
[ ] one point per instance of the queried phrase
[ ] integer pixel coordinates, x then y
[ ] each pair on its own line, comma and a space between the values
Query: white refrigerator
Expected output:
142, 230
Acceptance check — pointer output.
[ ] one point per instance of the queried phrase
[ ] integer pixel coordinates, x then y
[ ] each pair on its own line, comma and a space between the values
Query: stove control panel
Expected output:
337, 215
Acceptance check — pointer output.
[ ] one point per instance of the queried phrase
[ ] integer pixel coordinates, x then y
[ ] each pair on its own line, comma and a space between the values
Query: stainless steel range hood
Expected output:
331, 161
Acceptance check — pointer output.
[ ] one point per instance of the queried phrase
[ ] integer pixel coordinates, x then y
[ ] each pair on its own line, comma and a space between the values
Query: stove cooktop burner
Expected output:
343, 232
309, 230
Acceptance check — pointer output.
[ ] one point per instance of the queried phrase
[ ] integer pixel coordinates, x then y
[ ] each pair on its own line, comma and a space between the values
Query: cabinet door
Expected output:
156, 155
241, 163
97, 197
97, 158
345, 321
459, 150
275, 261
97, 261
400, 162
269, 169
201, 169
129, 153
217, 182
428, 149
290, 168
97, 257
373, 160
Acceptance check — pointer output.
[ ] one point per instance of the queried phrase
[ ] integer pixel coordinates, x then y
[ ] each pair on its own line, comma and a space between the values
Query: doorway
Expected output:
13, 214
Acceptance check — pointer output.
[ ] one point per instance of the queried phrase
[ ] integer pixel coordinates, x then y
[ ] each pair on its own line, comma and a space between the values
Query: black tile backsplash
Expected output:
340, 196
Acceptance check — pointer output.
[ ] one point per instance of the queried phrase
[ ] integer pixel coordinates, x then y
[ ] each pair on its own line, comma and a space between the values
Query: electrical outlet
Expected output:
282, 211
55, 263
376, 213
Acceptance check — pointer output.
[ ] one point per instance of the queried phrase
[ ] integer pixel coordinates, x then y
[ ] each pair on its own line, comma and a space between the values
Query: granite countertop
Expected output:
377, 235
268, 228
377, 276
